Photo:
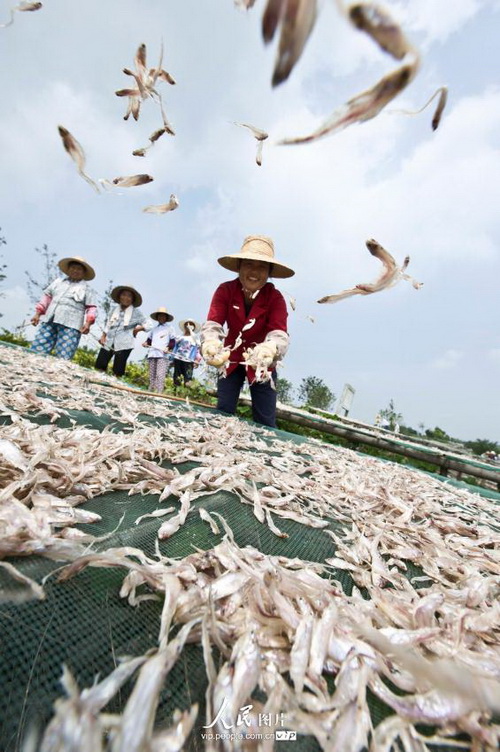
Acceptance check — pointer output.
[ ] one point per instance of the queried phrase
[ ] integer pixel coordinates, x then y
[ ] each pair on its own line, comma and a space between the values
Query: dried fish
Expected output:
297, 19
132, 180
146, 81
23, 6
77, 154
442, 93
390, 276
163, 208
364, 106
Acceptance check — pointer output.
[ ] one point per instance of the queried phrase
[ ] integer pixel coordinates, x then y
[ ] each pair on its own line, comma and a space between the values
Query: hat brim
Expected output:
232, 262
64, 263
117, 291
183, 323
154, 315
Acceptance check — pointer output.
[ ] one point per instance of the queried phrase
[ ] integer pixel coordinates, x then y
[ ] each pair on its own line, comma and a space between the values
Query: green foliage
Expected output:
14, 339
313, 391
437, 434
137, 374
480, 446
284, 391
390, 414
85, 357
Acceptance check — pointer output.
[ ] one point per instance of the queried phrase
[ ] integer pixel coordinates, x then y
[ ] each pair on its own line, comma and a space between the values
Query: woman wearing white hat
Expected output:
256, 316
160, 342
69, 307
124, 322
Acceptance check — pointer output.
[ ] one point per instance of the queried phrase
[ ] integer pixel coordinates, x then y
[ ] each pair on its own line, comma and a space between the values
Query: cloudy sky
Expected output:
433, 196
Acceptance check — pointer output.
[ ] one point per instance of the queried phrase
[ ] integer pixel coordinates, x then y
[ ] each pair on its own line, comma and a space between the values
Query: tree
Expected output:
390, 414
50, 271
437, 434
284, 390
314, 392
480, 446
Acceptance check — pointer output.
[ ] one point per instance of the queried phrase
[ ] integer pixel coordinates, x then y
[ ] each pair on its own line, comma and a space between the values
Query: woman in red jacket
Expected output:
255, 314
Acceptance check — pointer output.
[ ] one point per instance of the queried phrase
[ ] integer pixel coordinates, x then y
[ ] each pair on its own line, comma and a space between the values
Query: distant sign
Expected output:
346, 399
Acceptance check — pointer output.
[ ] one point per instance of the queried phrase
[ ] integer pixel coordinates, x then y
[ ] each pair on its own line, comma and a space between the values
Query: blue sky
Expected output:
433, 196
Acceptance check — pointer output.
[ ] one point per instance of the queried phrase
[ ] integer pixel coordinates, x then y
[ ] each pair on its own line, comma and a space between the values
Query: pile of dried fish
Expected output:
270, 617
425, 555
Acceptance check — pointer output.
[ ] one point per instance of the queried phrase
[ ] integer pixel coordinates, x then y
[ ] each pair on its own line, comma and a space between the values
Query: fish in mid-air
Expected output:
392, 273
23, 7
260, 136
163, 208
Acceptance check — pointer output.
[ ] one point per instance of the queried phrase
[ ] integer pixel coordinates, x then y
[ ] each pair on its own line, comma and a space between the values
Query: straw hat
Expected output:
183, 323
258, 248
64, 263
154, 315
117, 291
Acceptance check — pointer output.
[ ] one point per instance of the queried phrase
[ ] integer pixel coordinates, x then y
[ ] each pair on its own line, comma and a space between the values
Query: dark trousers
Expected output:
263, 396
119, 362
182, 370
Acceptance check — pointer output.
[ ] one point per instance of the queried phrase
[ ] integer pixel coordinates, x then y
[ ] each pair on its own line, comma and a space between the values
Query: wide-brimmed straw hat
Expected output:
64, 263
256, 248
117, 291
183, 323
154, 315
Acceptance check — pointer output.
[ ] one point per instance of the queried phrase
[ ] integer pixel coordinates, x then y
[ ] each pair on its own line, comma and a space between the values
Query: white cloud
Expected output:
449, 359
494, 355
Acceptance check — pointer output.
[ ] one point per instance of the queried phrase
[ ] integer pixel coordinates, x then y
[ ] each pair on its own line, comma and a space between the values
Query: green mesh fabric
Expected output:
84, 624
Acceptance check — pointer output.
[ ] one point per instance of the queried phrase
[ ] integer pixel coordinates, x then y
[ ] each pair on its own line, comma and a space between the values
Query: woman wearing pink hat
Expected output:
256, 317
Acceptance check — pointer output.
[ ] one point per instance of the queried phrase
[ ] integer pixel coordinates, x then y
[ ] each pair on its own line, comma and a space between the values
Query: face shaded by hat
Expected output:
196, 326
117, 291
154, 315
257, 248
64, 264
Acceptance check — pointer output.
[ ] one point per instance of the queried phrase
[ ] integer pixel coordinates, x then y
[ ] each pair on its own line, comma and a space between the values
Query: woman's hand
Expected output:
35, 319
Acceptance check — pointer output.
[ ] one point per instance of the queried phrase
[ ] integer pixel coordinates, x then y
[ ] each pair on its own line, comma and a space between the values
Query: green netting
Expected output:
84, 624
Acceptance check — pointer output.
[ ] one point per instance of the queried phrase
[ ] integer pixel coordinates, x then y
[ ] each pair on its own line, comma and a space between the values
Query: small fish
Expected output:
364, 106
153, 138
297, 18
23, 7
249, 325
258, 134
76, 153
311, 319
391, 274
380, 27
443, 98
131, 181
163, 208
244, 4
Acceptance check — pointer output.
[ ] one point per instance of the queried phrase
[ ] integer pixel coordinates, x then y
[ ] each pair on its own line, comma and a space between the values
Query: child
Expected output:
124, 322
69, 307
186, 352
160, 341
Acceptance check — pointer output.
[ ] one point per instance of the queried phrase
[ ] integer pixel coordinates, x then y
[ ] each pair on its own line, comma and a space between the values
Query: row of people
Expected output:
247, 315
69, 308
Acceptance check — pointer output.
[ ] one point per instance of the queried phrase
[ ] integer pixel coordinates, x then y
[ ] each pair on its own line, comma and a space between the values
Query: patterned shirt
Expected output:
65, 302
186, 349
159, 339
119, 335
